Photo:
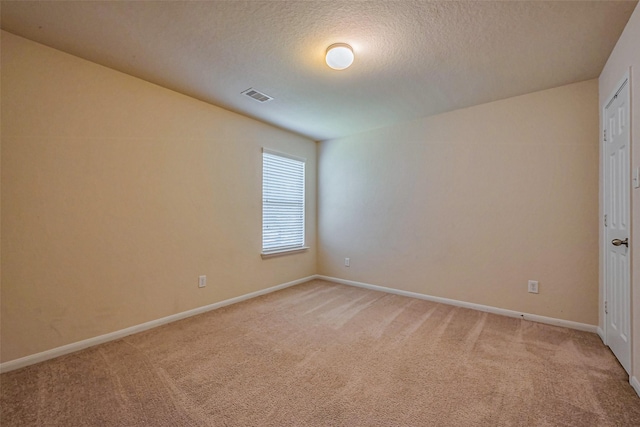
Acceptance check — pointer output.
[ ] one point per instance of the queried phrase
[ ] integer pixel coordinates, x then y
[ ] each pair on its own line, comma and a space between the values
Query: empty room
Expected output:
319, 213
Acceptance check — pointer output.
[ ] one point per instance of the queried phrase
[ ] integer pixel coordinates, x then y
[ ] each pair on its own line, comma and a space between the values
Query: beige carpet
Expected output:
321, 354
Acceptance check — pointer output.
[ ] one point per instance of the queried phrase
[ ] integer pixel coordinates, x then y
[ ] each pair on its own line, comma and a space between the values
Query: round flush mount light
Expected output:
339, 56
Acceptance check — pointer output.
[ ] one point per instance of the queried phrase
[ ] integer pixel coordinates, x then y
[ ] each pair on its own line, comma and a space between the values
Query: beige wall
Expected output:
117, 194
626, 57
471, 204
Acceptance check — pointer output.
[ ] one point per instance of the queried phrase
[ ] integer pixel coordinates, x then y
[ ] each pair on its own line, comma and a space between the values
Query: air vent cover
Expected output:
258, 96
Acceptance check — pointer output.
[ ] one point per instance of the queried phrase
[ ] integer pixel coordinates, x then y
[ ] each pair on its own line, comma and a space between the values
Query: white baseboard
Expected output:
600, 333
635, 384
80, 345
486, 308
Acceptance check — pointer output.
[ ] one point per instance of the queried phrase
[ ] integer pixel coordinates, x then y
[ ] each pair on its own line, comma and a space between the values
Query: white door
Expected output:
617, 212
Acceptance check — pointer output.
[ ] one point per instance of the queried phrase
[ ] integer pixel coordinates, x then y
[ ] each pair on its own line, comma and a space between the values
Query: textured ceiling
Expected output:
413, 58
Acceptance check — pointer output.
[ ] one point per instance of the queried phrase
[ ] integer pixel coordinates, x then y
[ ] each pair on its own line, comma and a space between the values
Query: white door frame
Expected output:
603, 230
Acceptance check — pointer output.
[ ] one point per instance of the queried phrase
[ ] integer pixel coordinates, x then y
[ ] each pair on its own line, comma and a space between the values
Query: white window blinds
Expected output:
282, 202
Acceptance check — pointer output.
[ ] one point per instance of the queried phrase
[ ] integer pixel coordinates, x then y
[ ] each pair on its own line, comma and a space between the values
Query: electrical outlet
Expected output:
347, 262
533, 286
202, 281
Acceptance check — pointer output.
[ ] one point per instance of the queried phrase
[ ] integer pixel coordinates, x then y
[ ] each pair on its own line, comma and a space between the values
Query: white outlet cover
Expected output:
533, 286
202, 281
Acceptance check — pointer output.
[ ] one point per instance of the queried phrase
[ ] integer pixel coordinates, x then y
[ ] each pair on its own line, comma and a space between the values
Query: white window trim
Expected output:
282, 252
286, 250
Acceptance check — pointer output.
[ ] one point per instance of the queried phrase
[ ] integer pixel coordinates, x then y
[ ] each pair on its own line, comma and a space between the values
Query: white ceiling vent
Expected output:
258, 96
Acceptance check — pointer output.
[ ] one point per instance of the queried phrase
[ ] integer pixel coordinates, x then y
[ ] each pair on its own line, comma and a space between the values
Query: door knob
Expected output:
618, 242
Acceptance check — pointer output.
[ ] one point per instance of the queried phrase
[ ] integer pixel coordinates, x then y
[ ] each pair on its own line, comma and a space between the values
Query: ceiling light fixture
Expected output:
339, 56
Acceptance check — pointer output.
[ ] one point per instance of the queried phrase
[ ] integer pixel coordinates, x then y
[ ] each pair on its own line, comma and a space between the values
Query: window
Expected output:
282, 203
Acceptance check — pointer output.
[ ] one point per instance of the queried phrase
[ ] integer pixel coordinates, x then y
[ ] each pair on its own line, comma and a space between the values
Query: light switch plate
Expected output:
636, 177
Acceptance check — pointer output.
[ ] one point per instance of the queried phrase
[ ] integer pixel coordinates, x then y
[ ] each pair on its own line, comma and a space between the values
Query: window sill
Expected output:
283, 252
